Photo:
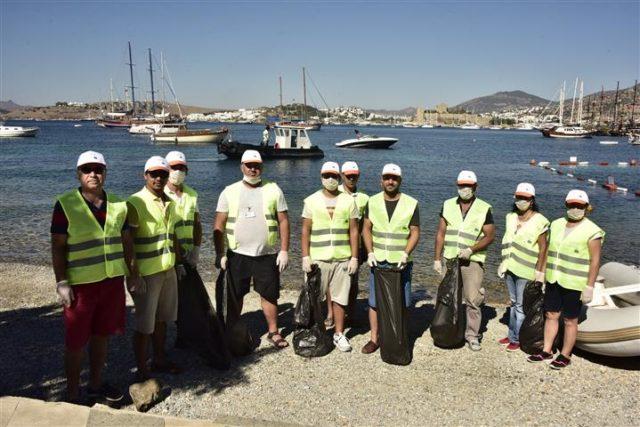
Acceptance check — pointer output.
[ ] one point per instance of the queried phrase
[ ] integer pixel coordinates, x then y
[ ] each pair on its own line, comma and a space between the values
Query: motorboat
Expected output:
634, 138
308, 125
367, 141
427, 126
469, 126
566, 132
17, 131
190, 136
409, 125
610, 324
495, 128
292, 142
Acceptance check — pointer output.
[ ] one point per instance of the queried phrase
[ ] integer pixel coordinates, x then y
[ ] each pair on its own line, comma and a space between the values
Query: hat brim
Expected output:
351, 171
157, 168
524, 194
91, 163
333, 172
466, 181
251, 161
578, 201
177, 162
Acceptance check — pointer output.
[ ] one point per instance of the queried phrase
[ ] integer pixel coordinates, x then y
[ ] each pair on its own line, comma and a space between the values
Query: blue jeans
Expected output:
405, 276
516, 286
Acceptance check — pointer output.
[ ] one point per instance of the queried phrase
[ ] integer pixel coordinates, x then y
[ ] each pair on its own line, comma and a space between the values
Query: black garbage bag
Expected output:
449, 321
531, 334
310, 338
198, 325
239, 339
393, 316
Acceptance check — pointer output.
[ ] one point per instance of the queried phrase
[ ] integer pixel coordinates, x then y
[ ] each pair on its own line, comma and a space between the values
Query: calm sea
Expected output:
35, 170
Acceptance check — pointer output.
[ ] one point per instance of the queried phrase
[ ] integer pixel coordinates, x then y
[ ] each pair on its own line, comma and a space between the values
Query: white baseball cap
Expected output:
466, 177
350, 167
525, 189
176, 158
156, 163
391, 169
89, 157
577, 196
251, 156
330, 167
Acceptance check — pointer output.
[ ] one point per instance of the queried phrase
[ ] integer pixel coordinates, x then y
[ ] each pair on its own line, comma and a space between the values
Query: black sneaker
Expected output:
543, 356
106, 392
560, 362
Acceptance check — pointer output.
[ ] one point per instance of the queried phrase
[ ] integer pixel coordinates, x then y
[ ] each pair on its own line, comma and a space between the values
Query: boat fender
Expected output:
592, 181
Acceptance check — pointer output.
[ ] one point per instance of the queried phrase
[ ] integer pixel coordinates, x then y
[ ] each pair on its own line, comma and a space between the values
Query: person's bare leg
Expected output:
140, 344
270, 311
73, 366
158, 339
338, 317
570, 334
373, 323
330, 314
550, 330
97, 358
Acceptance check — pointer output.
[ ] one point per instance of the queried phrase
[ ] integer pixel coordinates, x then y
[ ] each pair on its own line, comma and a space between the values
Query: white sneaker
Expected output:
342, 342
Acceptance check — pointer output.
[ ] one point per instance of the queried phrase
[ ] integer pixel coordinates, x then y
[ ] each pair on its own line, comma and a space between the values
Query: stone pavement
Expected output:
24, 412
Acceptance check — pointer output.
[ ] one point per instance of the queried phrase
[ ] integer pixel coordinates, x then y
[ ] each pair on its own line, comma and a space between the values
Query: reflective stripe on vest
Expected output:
94, 253
153, 238
463, 233
270, 195
390, 236
361, 199
568, 257
186, 213
520, 250
329, 235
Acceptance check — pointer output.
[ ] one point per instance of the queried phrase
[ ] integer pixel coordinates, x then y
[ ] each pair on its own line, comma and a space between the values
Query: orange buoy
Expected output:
604, 163
533, 162
633, 162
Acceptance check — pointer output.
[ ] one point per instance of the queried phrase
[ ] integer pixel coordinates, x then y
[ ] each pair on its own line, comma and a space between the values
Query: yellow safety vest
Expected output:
330, 235
463, 233
361, 199
94, 253
154, 236
568, 257
520, 250
186, 213
390, 236
270, 195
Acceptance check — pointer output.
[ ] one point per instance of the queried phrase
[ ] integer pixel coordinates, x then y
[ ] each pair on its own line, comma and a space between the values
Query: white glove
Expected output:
221, 262
502, 269
306, 264
587, 295
371, 260
438, 268
282, 261
465, 253
65, 293
193, 257
403, 260
180, 271
352, 266
539, 276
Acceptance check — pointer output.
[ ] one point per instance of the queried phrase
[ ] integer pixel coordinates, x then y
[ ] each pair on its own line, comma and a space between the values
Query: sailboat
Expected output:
114, 119
572, 131
304, 123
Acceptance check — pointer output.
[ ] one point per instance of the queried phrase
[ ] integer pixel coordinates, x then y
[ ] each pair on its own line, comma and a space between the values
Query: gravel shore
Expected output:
451, 387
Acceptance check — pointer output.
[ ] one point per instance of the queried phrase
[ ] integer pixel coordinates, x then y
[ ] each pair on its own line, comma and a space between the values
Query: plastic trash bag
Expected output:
310, 338
239, 339
198, 324
531, 334
393, 316
449, 321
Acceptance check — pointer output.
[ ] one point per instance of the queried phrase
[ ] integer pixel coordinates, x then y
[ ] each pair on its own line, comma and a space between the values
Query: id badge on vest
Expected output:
248, 212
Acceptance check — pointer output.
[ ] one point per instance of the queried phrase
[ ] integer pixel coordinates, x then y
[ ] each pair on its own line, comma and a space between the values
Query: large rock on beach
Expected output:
146, 394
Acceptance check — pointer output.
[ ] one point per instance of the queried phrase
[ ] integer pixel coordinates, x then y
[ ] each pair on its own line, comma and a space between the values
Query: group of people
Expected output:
98, 240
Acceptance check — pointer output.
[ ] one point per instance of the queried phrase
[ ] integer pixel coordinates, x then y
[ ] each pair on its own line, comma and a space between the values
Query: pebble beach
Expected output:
446, 387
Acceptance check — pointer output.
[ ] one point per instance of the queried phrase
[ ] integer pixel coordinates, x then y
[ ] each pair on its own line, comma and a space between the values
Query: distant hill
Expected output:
501, 101
7, 106
406, 112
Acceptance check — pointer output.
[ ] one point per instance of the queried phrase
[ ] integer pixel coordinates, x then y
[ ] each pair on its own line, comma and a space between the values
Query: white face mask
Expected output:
465, 193
331, 184
575, 214
253, 180
177, 177
523, 205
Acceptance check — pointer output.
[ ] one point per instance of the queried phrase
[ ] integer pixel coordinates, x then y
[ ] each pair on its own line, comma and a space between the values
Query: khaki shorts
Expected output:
159, 303
334, 277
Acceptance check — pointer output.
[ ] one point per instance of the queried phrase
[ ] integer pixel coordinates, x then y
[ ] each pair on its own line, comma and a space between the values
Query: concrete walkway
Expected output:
24, 412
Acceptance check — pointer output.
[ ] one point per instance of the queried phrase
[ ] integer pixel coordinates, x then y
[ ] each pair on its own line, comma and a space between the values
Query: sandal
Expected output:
279, 343
168, 368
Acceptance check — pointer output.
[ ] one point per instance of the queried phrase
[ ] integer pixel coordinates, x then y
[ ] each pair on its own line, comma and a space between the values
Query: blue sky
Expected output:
372, 54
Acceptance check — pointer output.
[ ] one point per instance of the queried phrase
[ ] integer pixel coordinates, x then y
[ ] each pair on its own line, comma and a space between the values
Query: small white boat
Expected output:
17, 131
150, 128
190, 136
495, 128
608, 142
427, 126
409, 125
367, 141
634, 138
469, 126
77, 125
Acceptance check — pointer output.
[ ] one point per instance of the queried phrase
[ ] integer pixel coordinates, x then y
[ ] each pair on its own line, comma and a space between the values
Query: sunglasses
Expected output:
253, 165
390, 177
158, 174
178, 168
87, 169
329, 175
351, 177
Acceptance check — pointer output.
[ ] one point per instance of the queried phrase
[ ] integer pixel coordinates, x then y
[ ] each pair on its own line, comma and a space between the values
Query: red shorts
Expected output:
97, 309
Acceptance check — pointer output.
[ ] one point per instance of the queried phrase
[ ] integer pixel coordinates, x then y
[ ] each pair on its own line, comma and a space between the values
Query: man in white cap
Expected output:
391, 232
330, 240
152, 216
350, 173
250, 215
465, 230
92, 252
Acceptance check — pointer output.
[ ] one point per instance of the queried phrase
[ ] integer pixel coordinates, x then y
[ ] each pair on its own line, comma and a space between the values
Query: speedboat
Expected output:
367, 141
16, 131
292, 142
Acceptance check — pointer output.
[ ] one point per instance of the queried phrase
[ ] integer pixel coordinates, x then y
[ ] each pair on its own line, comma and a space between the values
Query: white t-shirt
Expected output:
251, 228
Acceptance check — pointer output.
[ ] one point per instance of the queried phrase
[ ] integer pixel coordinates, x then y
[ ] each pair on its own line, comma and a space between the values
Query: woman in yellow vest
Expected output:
573, 261
524, 251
